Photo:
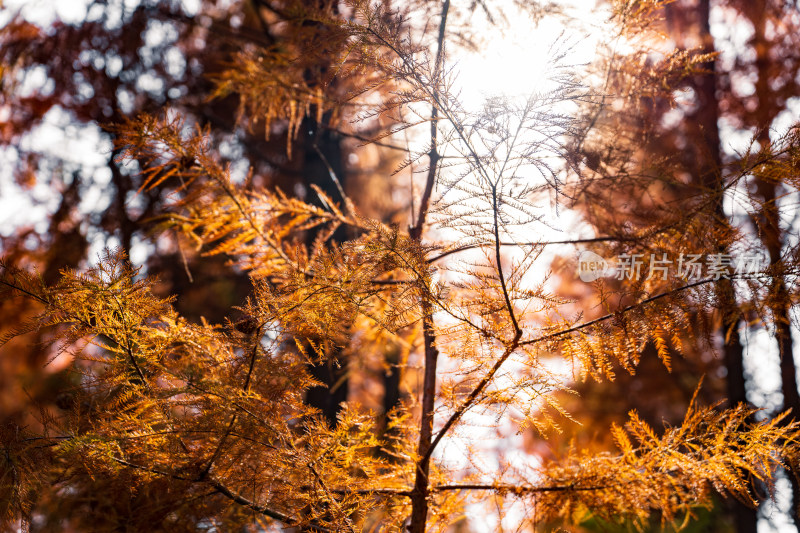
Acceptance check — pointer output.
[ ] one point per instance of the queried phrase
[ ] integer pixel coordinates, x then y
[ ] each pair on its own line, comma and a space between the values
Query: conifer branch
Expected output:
499, 265
515, 489
24, 291
262, 509
466, 247
243, 406
475, 393
220, 488
615, 314
245, 387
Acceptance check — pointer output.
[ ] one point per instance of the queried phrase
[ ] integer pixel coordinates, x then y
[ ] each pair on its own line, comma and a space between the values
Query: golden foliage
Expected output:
208, 421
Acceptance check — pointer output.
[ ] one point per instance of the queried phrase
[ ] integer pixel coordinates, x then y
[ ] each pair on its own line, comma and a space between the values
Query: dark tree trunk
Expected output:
323, 156
770, 231
710, 174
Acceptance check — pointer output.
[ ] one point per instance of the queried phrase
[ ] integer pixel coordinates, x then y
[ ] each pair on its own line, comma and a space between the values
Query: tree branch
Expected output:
419, 495
261, 509
515, 489
466, 404
543, 243
245, 387
617, 313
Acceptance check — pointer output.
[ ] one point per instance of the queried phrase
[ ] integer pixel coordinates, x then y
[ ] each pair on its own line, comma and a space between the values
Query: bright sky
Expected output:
514, 61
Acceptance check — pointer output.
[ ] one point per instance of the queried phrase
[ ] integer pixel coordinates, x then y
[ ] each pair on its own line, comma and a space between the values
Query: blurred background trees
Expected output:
78, 77
720, 128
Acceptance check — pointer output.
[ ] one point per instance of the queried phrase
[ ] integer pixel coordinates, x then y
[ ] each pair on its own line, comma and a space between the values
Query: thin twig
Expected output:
347, 203
617, 313
467, 403
534, 243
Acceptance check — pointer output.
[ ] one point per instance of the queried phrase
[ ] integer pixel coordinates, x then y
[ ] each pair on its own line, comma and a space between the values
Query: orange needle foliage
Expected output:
204, 426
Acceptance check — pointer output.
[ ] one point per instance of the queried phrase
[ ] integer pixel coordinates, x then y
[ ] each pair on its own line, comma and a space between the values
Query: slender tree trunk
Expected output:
710, 174
771, 233
768, 221
420, 492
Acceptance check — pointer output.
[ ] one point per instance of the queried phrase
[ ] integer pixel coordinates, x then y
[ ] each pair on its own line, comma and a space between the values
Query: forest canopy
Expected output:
305, 279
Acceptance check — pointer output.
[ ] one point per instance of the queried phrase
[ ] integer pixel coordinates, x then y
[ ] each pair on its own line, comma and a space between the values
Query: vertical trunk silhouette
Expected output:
768, 222
711, 178
323, 156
